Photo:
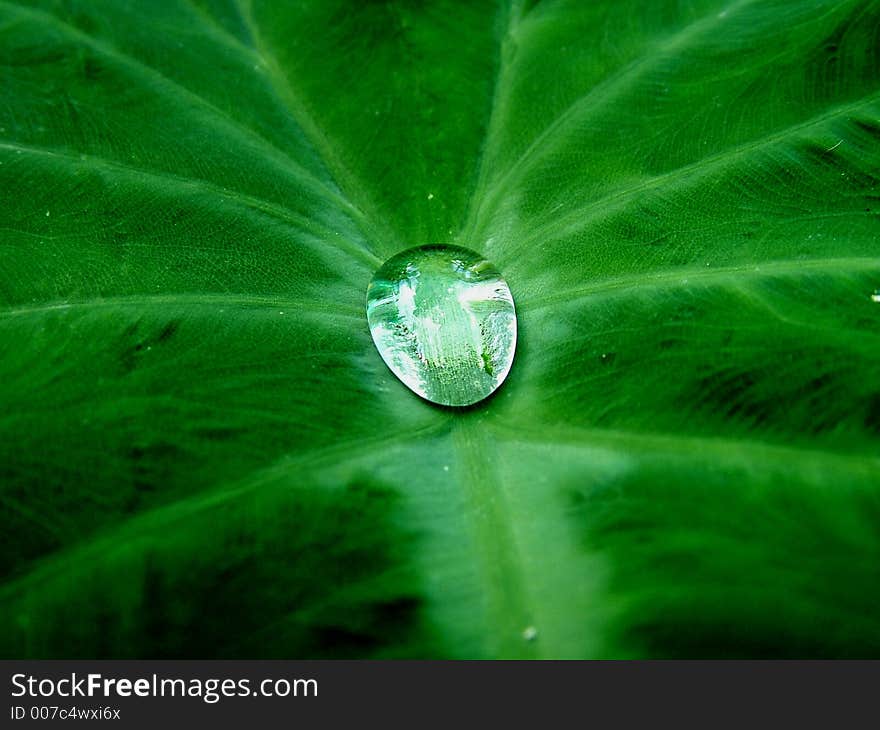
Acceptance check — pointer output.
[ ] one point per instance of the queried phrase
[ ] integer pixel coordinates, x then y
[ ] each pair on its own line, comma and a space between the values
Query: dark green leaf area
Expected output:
280, 570
785, 568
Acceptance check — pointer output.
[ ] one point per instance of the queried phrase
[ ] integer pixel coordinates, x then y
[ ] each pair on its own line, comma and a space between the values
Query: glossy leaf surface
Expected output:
203, 455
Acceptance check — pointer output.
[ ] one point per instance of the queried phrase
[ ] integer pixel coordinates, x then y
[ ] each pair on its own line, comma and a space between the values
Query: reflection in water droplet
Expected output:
443, 320
875, 297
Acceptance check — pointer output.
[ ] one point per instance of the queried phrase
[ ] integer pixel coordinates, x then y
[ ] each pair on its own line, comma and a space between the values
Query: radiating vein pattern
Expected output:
201, 452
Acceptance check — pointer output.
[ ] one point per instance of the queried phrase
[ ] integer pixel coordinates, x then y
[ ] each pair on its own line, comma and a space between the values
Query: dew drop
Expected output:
443, 320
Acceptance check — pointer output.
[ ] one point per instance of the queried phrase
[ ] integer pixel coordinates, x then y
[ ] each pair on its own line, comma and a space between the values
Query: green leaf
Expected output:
201, 452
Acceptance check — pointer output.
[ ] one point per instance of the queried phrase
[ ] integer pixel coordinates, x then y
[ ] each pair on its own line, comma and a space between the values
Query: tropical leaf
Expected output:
202, 453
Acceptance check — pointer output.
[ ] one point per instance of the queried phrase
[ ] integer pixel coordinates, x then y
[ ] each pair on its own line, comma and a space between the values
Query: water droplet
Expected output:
530, 633
875, 297
443, 320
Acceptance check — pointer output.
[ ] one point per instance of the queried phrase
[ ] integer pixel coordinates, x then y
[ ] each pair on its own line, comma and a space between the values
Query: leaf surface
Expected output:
202, 453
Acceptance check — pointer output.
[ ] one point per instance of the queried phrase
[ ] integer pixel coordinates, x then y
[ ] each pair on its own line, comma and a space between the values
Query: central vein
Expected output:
506, 598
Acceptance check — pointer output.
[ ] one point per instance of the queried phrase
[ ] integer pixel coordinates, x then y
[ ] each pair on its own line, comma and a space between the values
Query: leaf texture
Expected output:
202, 453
